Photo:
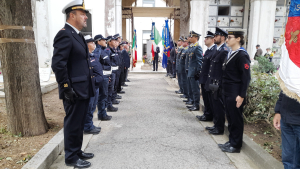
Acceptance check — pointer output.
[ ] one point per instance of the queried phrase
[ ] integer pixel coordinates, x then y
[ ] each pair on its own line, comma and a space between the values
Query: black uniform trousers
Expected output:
184, 83
118, 73
121, 80
125, 74
235, 121
111, 90
218, 111
174, 69
179, 76
170, 67
190, 91
73, 128
155, 63
207, 108
195, 90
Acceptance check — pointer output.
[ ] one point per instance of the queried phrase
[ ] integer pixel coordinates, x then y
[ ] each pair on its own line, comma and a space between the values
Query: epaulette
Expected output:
196, 44
63, 29
226, 48
186, 48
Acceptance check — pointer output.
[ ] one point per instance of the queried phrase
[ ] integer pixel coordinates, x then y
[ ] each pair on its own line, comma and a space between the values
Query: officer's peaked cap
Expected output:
117, 36
221, 32
88, 38
99, 37
193, 33
236, 32
210, 34
74, 5
109, 38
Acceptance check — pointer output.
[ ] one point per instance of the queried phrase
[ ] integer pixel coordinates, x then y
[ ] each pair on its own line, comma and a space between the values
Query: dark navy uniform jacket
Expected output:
236, 75
97, 70
215, 71
288, 108
195, 60
178, 55
157, 52
103, 54
183, 58
70, 63
121, 60
126, 58
114, 58
173, 55
206, 64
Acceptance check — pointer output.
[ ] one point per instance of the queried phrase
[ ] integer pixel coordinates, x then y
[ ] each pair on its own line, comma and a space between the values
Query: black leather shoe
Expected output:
85, 156
178, 92
185, 100
94, 131
127, 80
195, 108
99, 128
216, 132
121, 92
227, 144
183, 96
118, 97
204, 118
124, 85
79, 164
105, 118
210, 128
115, 102
171, 76
230, 149
189, 106
112, 109
189, 103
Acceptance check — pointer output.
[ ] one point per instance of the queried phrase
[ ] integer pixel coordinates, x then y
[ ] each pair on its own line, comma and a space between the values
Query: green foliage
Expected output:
261, 98
264, 65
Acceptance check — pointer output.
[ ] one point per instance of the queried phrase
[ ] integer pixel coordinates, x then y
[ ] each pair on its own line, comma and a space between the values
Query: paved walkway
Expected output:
152, 129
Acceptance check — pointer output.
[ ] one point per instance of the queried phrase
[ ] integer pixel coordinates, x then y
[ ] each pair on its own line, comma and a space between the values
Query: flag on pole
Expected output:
157, 37
163, 36
166, 45
289, 71
134, 51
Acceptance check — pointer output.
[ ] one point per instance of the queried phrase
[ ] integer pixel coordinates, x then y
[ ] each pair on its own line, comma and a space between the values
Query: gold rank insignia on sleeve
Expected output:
66, 85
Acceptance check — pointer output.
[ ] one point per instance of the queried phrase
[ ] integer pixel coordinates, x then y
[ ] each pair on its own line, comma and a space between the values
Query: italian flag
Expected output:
134, 50
157, 39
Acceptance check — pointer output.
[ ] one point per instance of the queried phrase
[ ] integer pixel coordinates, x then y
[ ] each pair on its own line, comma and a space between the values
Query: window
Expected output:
148, 3
88, 29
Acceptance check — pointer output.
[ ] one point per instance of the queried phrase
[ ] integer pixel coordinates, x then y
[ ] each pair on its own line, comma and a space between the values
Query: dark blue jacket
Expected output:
114, 58
206, 64
70, 63
97, 70
178, 55
157, 52
289, 109
126, 58
195, 60
103, 54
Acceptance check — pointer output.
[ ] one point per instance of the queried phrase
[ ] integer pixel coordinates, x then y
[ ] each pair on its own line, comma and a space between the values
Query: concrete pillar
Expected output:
124, 29
176, 29
261, 27
113, 17
199, 19
119, 17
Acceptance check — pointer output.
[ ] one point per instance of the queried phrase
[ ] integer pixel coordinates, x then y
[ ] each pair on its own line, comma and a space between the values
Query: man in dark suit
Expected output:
70, 63
126, 59
155, 61
211, 49
173, 60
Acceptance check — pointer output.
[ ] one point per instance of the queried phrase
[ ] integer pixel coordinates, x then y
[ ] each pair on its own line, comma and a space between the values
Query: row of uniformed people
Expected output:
86, 71
224, 77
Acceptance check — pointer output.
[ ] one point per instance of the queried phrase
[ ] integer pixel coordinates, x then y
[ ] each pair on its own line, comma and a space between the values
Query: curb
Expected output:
256, 153
45, 157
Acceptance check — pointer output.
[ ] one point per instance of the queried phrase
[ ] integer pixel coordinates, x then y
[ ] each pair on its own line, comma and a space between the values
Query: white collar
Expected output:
209, 48
218, 47
76, 30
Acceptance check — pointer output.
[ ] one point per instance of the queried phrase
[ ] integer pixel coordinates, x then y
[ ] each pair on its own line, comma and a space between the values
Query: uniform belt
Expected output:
115, 67
107, 72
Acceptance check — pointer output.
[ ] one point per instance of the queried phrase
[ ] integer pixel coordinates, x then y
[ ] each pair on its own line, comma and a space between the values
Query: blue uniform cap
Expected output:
99, 37
221, 32
88, 38
210, 34
109, 38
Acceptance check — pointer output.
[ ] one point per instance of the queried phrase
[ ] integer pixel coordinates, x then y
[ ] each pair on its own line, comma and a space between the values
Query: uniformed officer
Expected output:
179, 50
119, 83
70, 63
89, 127
182, 70
102, 53
126, 59
194, 68
169, 67
214, 83
117, 62
190, 100
112, 41
211, 49
173, 60
155, 60
236, 79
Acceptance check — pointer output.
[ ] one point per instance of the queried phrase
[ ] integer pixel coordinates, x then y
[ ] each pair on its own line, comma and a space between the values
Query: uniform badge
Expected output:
66, 85
247, 66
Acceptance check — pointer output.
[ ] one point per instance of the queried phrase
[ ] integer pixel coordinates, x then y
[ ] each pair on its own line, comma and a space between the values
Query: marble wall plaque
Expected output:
236, 22
279, 21
237, 11
45, 74
213, 2
223, 21
212, 22
225, 2
213, 10
275, 43
280, 11
278, 32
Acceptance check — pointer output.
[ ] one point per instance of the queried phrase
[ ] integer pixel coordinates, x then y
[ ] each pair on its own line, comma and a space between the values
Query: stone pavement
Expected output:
152, 129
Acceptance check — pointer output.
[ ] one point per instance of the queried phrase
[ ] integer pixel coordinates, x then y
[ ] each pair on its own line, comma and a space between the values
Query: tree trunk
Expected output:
20, 70
184, 17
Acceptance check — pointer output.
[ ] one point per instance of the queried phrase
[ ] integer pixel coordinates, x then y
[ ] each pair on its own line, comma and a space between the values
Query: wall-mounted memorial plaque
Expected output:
280, 11
278, 32
223, 21
236, 22
275, 43
212, 22
45, 74
225, 2
213, 2
237, 11
279, 21
213, 10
